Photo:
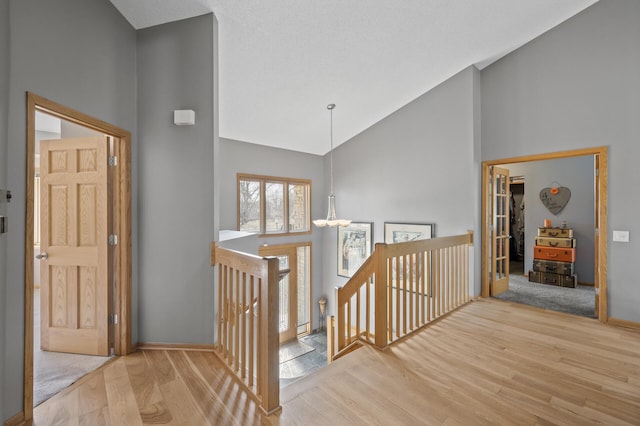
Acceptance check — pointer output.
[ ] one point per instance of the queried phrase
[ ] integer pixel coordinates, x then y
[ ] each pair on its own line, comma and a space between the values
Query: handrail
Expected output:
405, 286
247, 333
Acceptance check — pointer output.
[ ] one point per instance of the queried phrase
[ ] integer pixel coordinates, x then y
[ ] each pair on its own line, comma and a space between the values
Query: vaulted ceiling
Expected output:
283, 61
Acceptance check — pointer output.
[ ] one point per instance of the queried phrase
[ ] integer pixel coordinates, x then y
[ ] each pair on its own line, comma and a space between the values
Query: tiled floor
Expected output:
306, 364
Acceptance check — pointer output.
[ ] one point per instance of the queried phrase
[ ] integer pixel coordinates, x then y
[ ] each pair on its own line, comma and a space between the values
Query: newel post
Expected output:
381, 308
269, 337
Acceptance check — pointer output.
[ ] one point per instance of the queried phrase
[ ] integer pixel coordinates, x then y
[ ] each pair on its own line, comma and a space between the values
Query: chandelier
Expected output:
331, 220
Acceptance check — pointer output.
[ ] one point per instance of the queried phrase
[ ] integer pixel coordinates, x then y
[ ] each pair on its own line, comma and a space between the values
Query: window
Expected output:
272, 205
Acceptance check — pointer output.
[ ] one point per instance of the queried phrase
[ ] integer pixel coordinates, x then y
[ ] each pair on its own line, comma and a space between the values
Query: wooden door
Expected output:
288, 289
74, 274
500, 231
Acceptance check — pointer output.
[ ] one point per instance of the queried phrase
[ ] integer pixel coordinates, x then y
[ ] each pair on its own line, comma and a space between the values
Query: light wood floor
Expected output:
490, 362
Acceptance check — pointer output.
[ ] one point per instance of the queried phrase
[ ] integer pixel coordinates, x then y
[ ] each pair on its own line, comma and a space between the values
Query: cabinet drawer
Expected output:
555, 232
554, 253
553, 279
562, 268
556, 242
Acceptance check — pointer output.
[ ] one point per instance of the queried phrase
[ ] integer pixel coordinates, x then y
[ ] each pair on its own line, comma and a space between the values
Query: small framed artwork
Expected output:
354, 246
403, 232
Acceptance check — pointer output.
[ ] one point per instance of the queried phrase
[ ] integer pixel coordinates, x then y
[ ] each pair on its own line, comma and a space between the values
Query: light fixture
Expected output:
331, 219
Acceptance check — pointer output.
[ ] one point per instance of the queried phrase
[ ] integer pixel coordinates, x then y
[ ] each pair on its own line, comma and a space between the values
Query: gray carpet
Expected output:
576, 301
54, 371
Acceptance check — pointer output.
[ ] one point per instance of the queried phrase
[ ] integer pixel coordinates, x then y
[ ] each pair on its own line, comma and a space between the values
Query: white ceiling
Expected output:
283, 61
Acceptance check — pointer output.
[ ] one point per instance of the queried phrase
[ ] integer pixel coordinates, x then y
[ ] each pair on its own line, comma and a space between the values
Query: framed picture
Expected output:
354, 246
403, 232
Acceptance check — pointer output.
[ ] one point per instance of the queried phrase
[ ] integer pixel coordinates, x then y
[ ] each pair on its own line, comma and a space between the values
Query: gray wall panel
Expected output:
575, 87
4, 112
176, 180
80, 53
242, 157
416, 165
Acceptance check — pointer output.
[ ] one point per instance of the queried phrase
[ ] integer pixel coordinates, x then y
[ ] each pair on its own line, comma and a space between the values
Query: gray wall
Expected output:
242, 157
176, 178
416, 165
577, 174
577, 86
80, 53
4, 111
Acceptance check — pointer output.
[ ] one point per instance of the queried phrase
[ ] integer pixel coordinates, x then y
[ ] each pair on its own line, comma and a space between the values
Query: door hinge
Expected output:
113, 319
113, 240
113, 160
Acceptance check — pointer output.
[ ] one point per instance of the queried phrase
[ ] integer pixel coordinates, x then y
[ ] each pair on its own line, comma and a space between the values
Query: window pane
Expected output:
250, 206
304, 285
274, 197
283, 294
298, 208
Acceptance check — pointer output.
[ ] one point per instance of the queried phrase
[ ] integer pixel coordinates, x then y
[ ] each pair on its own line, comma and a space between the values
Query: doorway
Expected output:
598, 209
294, 288
302, 350
73, 176
92, 287
517, 235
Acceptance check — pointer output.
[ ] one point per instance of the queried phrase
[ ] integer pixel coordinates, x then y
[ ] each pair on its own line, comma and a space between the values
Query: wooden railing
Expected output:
247, 339
399, 289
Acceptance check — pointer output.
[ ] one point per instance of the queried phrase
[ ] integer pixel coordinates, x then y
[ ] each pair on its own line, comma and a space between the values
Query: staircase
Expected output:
398, 290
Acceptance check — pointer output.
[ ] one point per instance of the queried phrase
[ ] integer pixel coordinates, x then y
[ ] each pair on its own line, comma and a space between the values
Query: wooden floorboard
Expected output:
490, 362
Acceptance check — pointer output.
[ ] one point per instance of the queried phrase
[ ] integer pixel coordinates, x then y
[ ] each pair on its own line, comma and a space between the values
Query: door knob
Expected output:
42, 256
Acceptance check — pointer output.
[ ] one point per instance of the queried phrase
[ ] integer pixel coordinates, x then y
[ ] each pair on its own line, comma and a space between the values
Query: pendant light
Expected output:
331, 220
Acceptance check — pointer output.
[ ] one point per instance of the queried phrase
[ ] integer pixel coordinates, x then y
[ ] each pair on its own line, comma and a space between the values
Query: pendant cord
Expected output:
331, 152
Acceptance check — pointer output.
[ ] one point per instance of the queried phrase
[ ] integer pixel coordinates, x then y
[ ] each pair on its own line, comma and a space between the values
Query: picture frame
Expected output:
403, 232
354, 246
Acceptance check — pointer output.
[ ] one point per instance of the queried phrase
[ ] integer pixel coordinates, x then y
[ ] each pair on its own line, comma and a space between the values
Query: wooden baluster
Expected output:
467, 259
398, 297
428, 283
405, 258
436, 284
442, 273
450, 281
225, 283
220, 345
243, 334
238, 313
367, 314
456, 280
331, 344
382, 290
349, 325
456, 270
420, 261
466, 272
340, 331
389, 292
252, 334
460, 269
411, 288
358, 314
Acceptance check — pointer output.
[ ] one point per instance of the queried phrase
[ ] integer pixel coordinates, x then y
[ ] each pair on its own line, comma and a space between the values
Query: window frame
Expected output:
263, 202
